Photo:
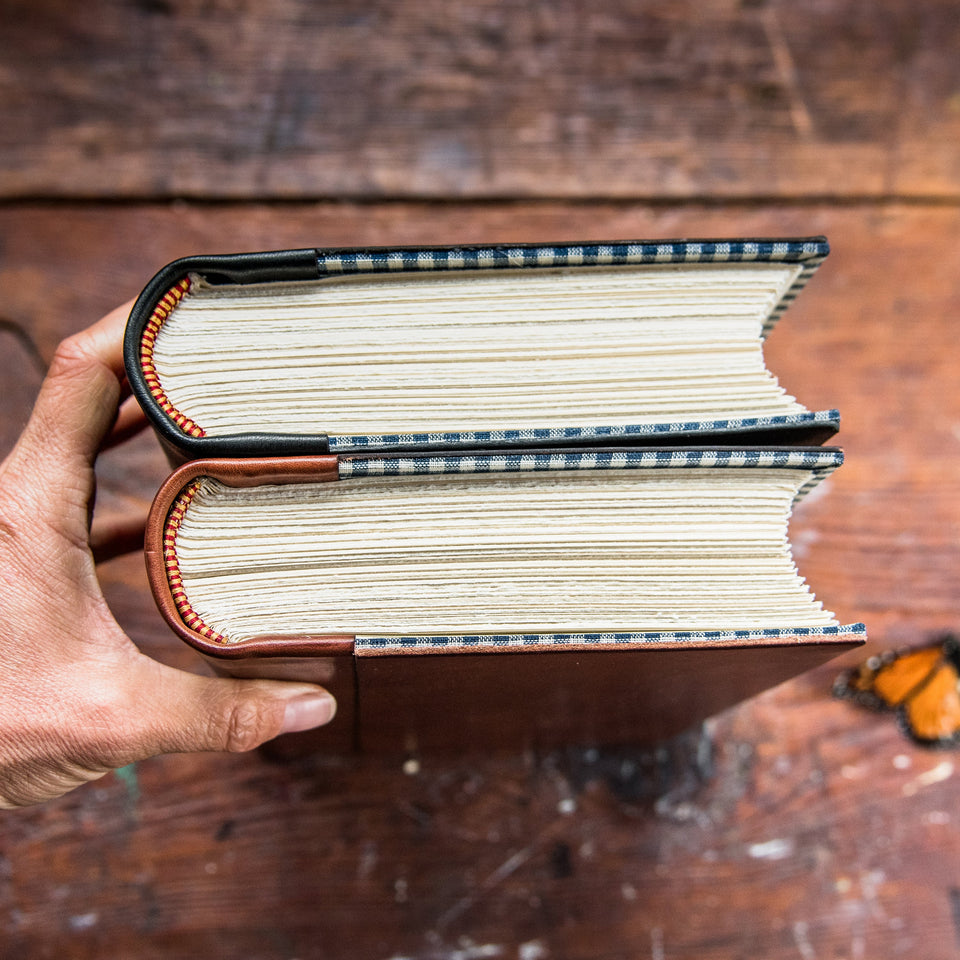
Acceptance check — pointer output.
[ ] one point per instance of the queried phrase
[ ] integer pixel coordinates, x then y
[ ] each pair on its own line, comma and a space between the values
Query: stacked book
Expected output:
525, 494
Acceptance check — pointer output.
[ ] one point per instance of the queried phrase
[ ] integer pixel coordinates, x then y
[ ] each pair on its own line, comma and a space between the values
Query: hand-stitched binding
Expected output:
187, 614
160, 313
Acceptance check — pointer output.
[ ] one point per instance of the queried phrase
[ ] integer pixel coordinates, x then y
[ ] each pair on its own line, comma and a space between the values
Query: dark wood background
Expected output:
791, 826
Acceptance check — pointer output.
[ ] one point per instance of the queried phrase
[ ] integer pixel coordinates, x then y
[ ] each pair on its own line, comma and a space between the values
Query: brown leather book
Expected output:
498, 598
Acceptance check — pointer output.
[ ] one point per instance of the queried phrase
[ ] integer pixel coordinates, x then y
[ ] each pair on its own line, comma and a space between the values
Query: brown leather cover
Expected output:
445, 699
237, 473
553, 698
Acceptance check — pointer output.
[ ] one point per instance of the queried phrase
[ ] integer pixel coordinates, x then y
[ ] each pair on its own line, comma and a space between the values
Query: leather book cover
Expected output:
187, 434
411, 692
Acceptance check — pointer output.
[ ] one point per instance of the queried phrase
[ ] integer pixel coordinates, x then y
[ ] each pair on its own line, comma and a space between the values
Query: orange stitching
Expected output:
147, 342
187, 614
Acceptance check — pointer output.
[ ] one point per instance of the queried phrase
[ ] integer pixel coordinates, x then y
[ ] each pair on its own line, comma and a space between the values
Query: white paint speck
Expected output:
942, 771
902, 762
474, 951
870, 883
533, 950
937, 818
368, 860
567, 806
411, 767
400, 890
858, 947
800, 938
939, 773
628, 891
83, 921
771, 849
210, 867
656, 944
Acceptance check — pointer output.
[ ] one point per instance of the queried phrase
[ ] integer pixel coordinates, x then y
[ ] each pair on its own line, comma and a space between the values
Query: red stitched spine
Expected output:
187, 614
161, 311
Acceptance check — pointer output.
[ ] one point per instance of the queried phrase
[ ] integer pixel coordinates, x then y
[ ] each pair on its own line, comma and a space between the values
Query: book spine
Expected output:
158, 299
163, 572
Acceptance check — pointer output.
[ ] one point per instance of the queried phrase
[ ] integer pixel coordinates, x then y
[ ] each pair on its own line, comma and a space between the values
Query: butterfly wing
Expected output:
931, 715
908, 673
922, 684
885, 682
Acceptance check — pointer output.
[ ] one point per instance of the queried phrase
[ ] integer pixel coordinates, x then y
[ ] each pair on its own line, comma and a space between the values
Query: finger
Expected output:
75, 409
186, 713
104, 339
114, 534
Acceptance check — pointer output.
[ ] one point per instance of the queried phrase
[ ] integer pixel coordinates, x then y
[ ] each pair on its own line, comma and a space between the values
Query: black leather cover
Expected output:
302, 265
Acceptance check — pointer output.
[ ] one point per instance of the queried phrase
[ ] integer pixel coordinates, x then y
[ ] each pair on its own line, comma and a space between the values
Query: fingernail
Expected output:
308, 711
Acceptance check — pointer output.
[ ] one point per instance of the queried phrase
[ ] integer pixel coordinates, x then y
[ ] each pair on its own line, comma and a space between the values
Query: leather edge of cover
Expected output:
237, 473
221, 269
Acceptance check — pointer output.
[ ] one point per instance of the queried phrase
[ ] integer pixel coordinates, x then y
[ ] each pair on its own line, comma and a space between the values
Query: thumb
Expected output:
75, 408
190, 713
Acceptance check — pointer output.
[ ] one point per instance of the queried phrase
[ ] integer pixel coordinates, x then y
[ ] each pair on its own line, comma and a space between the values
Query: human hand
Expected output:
78, 698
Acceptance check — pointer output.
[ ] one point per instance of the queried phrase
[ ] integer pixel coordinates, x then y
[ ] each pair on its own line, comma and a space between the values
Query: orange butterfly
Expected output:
921, 683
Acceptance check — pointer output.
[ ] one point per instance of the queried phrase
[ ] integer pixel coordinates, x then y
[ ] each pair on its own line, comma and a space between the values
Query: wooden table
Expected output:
791, 826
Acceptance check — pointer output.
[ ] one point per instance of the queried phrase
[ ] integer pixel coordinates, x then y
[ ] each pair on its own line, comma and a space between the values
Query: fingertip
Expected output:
308, 711
104, 339
224, 713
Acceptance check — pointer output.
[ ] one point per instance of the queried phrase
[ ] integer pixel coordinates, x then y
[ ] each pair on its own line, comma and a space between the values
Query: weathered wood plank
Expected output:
480, 99
796, 825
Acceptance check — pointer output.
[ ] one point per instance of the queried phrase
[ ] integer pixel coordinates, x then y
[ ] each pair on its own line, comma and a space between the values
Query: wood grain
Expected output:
479, 98
793, 825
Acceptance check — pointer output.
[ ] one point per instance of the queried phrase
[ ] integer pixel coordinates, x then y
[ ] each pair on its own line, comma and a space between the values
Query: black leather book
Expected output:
522, 346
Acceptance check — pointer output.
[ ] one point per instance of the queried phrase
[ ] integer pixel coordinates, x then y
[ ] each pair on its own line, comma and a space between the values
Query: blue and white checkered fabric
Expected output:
809, 253
819, 461
575, 255
461, 642
547, 435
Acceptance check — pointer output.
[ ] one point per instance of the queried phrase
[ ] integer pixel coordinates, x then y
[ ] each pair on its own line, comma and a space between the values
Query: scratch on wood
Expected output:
508, 866
494, 879
787, 70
